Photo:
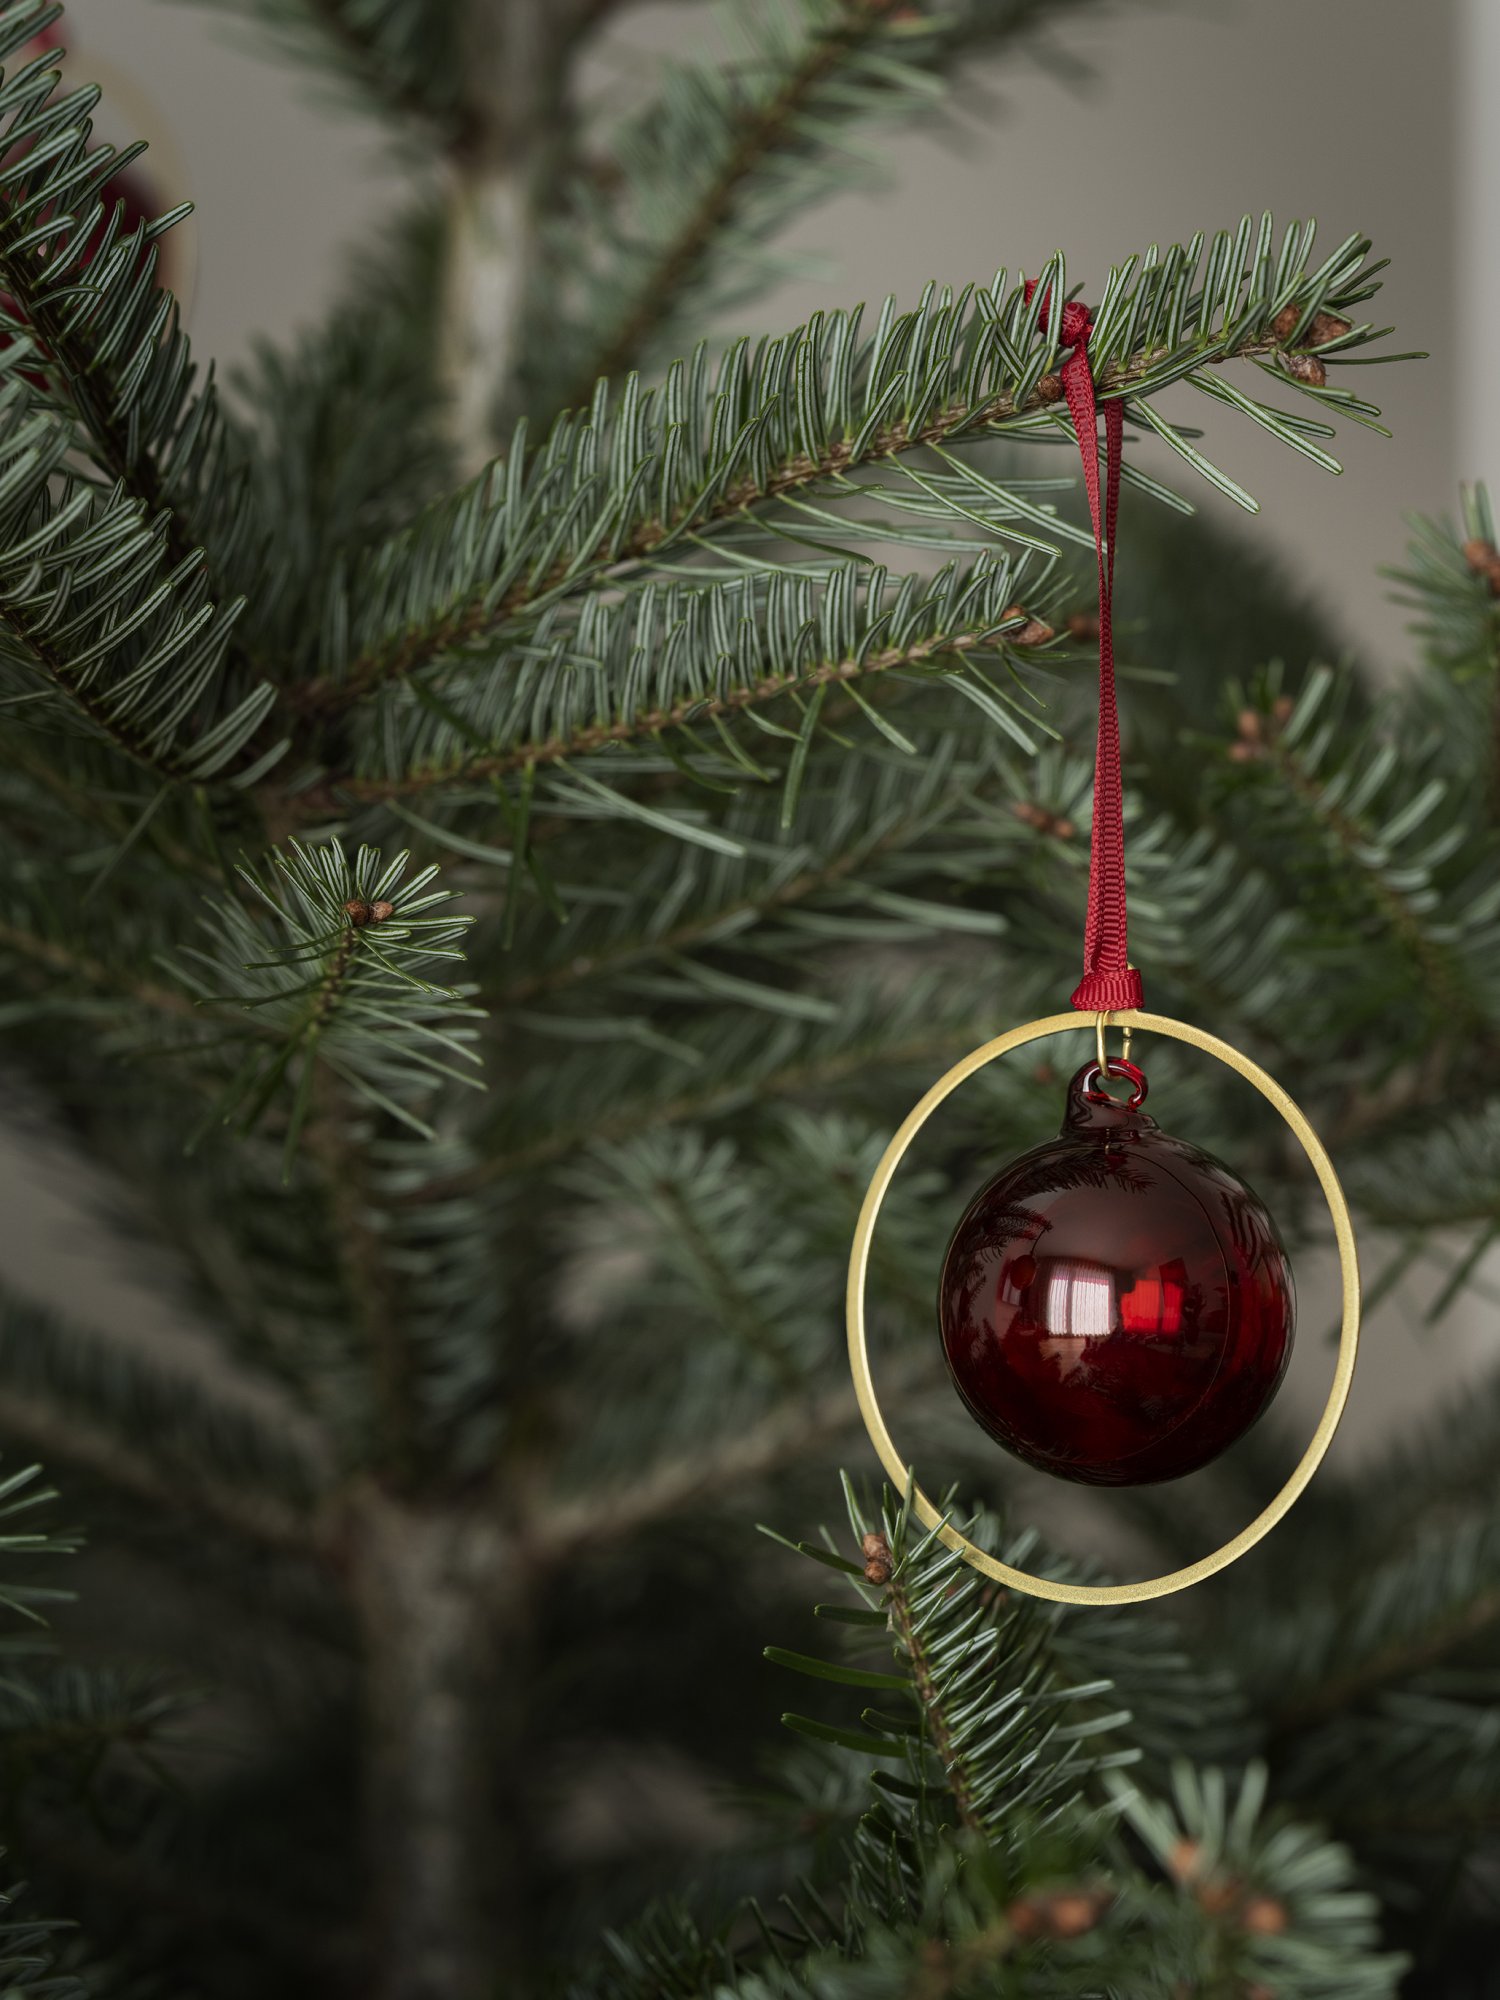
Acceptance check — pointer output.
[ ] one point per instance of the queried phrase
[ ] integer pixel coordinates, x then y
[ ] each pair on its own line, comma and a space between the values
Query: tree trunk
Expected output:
437, 1603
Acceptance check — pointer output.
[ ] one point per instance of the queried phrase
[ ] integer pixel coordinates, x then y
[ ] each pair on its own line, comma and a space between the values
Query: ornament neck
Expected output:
1090, 1108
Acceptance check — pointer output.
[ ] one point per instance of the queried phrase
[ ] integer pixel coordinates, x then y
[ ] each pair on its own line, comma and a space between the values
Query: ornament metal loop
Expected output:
1343, 1373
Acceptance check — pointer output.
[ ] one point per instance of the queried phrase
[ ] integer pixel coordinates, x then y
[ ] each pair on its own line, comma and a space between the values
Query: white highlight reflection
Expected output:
1080, 1300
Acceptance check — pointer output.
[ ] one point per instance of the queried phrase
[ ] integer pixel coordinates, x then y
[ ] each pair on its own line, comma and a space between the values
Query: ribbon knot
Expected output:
1109, 980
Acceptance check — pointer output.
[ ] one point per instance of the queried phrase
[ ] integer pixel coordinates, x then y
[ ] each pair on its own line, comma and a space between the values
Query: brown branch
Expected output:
634, 1117
464, 624
905, 1627
64, 1437
761, 132
93, 972
794, 889
371, 1287
597, 736
782, 1437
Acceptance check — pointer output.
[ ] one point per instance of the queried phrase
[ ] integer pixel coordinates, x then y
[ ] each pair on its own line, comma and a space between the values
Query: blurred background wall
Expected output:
1373, 115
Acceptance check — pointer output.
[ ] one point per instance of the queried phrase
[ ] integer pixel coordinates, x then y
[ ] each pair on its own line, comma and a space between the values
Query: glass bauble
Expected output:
1116, 1306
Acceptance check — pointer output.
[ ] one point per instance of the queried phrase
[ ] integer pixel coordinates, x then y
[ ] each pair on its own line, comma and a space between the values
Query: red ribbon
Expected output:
1109, 980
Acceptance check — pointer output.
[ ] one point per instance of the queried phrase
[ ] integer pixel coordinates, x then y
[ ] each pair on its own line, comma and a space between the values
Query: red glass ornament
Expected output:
1116, 1306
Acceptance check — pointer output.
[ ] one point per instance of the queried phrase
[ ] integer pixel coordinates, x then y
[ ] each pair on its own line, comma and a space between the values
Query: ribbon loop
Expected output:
1109, 980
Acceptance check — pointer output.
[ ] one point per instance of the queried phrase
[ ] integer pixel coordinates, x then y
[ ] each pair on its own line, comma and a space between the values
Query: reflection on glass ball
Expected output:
1116, 1306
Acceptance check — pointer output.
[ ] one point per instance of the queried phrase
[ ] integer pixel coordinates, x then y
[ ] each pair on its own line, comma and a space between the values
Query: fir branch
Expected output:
931, 1696
113, 356
52, 956
90, 1402
651, 667
871, 1034
609, 495
761, 129
343, 985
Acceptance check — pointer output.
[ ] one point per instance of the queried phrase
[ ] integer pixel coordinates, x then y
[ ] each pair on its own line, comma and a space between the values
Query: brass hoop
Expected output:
1343, 1373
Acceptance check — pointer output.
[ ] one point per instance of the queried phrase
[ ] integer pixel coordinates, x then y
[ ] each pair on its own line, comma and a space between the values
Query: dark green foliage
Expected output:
701, 778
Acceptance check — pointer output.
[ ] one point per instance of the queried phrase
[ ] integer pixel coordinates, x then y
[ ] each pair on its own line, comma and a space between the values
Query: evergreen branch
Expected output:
636, 672
676, 220
92, 1402
340, 981
927, 1682
117, 376
79, 967
753, 1065
611, 494
398, 55
92, 606
761, 129
868, 833
791, 1432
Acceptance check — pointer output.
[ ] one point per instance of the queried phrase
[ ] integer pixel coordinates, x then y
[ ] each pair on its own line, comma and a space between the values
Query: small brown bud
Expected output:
1045, 1072
1064, 829
1285, 322
1306, 368
1256, 1991
1065, 1913
1049, 389
1218, 1894
1245, 753
1083, 625
876, 1551
1283, 708
1264, 1916
1484, 559
877, 1572
1184, 1860
381, 912
1073, 1915
358, 913
1033, 631
1325, 327
1248, 723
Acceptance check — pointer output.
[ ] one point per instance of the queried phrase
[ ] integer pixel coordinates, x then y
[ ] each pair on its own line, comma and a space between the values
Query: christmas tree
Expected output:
502, 812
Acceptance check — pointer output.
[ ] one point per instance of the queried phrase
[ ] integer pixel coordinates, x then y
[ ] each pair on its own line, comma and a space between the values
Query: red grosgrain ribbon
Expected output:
1109, 980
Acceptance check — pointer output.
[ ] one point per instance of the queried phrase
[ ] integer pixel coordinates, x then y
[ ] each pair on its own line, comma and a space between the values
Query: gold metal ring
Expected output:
1343, 1373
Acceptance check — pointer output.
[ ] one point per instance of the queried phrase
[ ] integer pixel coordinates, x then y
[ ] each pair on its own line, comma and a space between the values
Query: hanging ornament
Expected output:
1115, 1306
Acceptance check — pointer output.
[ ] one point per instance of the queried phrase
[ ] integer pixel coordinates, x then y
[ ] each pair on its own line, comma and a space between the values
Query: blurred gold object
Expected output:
1343, 1373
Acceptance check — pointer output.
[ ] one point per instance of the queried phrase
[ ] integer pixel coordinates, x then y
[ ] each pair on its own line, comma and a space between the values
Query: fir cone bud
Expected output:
876, 1551
1306, 368
1065, 1913
1184, 1860
1064, 829
1083, 625
1325, 327
1049, 389
1218, 1894
1264, 1916
1248, 723
358, 913
1283, 708
1285, 323
1245, 753
381, 912
1032, 632
1484, 559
